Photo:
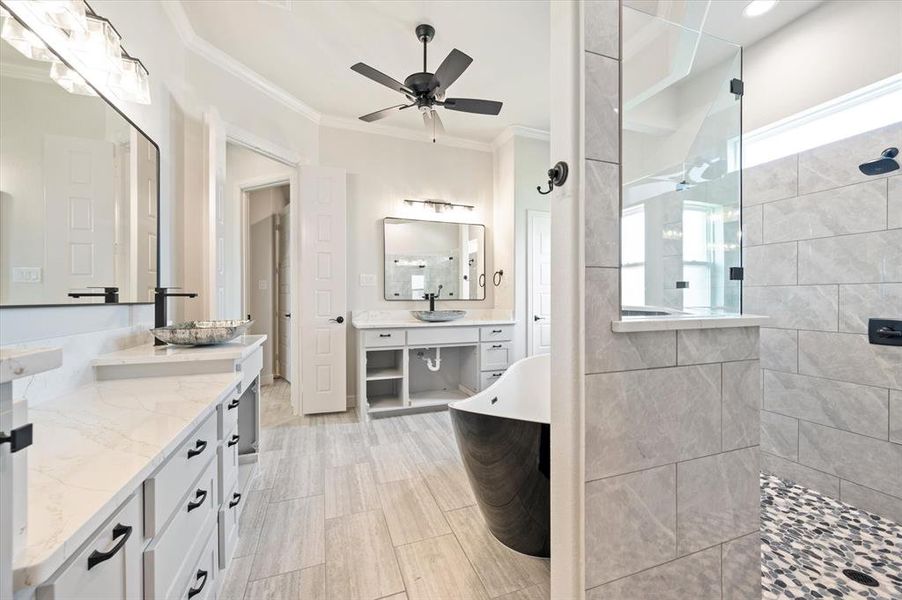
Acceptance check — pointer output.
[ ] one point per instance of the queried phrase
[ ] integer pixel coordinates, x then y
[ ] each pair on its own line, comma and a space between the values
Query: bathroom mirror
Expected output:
79, 186
421, 256
680, 203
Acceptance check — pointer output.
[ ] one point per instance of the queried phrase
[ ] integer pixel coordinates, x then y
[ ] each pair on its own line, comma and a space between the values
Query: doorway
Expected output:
538, 282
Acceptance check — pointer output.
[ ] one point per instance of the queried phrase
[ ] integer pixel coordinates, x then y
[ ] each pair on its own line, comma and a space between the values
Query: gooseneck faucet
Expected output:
161, 294
432, 298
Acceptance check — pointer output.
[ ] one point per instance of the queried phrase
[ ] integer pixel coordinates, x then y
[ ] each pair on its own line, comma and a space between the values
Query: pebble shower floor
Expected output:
808, 540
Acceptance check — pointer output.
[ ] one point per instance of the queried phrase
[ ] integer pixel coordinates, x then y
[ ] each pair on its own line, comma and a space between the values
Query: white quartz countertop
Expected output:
237, 349
674, 322
22, 362
93, 447
387, 319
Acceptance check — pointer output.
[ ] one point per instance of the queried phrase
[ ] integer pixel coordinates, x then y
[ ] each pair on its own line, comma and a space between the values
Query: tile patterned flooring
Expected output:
342, 509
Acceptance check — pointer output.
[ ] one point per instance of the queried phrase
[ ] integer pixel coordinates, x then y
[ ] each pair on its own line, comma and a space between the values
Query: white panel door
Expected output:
79, 197
144, 211
323, 289
539, 282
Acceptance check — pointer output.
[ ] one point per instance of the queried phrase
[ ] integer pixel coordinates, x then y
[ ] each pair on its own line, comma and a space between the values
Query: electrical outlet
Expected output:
367, 280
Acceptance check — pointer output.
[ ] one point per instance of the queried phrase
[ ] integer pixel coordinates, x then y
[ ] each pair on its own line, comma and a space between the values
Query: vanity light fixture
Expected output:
756, 8
23, 39
439, 205
69, 80
68, 15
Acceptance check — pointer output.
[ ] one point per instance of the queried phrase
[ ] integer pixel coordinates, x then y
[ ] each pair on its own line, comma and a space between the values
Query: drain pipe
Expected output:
432, 366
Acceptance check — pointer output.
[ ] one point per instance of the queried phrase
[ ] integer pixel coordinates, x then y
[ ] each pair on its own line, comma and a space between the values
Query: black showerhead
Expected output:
884, 164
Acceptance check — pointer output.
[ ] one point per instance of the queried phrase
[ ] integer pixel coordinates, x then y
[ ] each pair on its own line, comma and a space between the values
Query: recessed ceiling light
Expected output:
756, 8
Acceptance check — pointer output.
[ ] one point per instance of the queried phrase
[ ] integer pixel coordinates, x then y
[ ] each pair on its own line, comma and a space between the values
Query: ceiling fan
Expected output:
427, 90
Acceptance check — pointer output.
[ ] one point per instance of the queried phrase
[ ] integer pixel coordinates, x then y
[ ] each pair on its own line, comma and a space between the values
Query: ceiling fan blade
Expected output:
451, 68
381, 114
472, 105
382, 78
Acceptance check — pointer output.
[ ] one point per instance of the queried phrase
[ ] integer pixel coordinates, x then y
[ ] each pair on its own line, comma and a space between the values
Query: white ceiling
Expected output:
308, 50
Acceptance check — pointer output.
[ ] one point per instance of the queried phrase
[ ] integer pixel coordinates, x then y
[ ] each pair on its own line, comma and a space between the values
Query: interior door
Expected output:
79, 197
144, 210
215, 168
323, 289
539, 282
284, 294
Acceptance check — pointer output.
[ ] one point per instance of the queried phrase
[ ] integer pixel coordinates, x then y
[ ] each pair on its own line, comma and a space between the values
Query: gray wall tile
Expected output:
602, 214
895, 416
602, 30
780, 349
894, 196
630, 523
870, 500
848, 406
752, 221
641, 419
836, 164
608, 351
696, 346
849, 357
741, 571
741, 404
858, 303
771, 181
860, 258
853, 209
774, 264
602, 103
717, 499
864, 460
800, 474
795, 307
779, 435
693, 577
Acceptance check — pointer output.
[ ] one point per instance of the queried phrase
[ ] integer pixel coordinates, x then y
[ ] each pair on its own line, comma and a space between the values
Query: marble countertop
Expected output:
93, 447
22, 362
674, 322
386, 319
237, 349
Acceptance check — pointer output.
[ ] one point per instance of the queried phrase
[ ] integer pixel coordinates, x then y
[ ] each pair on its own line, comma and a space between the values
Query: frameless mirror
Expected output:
78, 191
680, 212
432, 257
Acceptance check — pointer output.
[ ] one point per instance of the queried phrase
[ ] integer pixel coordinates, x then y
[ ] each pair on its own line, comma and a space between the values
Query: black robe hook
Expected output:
557, 176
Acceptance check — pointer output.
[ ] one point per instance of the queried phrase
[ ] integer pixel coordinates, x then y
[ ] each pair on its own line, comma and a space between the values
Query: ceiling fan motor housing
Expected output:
425, 33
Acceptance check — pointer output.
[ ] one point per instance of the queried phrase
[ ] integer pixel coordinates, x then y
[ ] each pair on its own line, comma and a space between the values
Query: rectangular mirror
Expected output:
433, 257
79, 191
680, 210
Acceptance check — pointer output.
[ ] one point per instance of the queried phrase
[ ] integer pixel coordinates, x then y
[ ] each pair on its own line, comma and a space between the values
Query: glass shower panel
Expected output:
681, 136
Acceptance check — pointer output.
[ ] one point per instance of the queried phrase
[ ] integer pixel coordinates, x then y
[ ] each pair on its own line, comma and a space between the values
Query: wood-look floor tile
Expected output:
401, 596
235, 581
292, 537
360, 561
393, 462
306, 584
346, 447
267, 468
447, 480
438, 569
299, 477
533, 592
411, 512
428, 446
501, 569
251, 524
387, 431
350, 489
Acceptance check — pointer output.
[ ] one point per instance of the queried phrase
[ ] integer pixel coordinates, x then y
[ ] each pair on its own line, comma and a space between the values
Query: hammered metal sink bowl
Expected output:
438, 316
201, 333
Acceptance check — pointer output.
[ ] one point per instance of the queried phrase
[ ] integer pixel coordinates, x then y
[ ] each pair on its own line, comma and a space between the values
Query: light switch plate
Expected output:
26, 274
262, 284
367, 280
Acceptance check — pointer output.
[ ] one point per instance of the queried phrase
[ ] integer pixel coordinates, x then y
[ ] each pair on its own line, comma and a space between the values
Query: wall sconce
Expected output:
439, 205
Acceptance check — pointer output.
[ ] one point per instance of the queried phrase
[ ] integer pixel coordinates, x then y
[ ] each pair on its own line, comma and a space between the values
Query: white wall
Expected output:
835, 49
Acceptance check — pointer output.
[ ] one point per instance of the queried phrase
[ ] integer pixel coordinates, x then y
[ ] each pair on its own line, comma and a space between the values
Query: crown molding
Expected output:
519, 131
401, 133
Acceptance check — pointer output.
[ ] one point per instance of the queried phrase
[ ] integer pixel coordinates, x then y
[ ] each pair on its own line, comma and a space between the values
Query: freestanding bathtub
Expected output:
503, 434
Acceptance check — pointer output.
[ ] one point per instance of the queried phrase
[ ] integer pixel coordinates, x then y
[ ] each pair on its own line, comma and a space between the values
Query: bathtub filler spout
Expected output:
432, 366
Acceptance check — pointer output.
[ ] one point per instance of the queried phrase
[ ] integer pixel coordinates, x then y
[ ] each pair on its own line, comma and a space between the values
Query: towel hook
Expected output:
497, 276
557, 176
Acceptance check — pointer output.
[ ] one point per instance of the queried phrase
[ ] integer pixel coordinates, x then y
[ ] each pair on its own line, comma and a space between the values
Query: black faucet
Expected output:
159, 306
110, 294
432, 297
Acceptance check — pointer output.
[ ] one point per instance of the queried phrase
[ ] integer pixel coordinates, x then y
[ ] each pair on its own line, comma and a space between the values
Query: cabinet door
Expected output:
108, 567
496, 356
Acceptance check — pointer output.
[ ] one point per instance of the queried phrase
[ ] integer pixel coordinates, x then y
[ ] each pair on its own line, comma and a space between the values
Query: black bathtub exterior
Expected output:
508, 464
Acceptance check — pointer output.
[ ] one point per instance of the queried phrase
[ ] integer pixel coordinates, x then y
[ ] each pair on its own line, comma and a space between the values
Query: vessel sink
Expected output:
438, 316
201, 333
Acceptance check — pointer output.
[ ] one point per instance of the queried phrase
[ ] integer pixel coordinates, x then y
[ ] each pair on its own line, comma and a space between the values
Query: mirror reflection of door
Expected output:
538, 254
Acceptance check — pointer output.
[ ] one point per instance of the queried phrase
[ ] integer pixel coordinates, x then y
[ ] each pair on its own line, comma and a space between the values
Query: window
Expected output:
632, 272
701, 254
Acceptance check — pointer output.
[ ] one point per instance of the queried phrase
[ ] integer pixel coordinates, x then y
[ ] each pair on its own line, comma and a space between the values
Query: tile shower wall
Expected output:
823, 254
671, 417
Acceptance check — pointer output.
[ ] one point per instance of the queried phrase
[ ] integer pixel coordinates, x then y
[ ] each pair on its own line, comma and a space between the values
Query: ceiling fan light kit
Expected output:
426, 90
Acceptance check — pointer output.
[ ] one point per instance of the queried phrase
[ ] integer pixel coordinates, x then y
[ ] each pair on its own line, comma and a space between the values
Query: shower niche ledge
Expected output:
631, 324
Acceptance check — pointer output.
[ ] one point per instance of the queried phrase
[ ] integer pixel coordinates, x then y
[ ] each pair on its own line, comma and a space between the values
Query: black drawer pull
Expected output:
119, 531
496, 345
202, 575
496, 331
496, 374
199, 497
236, 498
383, 335
233, 404
233, 440
199, 447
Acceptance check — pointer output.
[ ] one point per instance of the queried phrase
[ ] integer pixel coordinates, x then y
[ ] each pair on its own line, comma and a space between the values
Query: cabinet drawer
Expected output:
496, 333
383, 337
229, 516
490, 377
227, 460
443, 335
108, 566
250, 368
227, 416
496, 356
203, 576
163, 490
179, 545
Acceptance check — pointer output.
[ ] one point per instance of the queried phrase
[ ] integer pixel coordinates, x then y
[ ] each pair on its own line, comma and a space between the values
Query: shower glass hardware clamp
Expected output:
885, 332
